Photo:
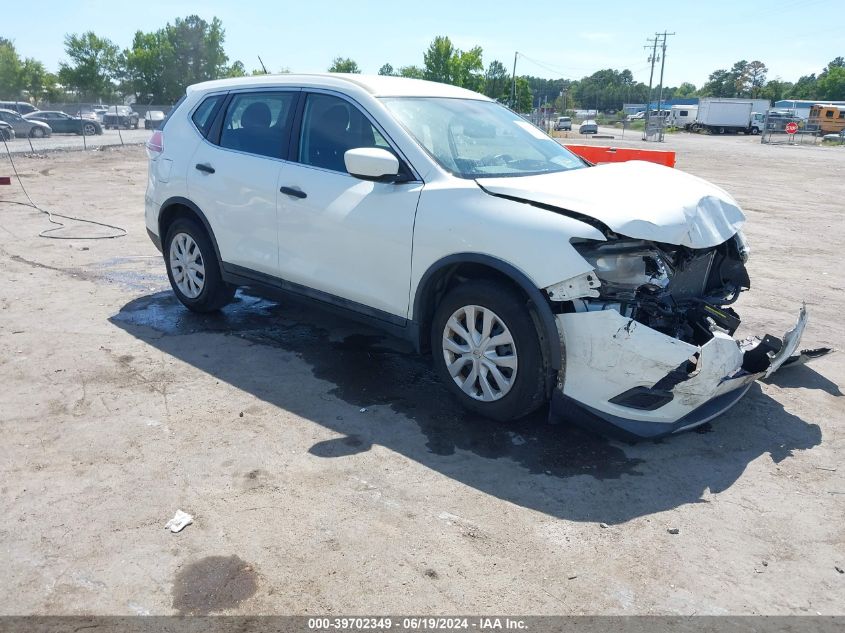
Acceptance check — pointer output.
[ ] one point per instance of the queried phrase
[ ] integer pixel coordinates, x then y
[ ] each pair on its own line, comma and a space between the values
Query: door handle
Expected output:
296, 193
205, 167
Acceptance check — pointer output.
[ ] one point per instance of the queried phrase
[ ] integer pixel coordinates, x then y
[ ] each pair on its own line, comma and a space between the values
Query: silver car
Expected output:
24, 128
588, 127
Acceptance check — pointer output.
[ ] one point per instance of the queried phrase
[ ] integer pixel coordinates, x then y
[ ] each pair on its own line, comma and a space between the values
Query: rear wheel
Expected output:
487, 352
193, 269
37, 132
89, 129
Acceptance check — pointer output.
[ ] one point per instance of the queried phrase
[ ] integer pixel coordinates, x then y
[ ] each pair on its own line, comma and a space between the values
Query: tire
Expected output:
523, 388
37, 132
88, 129
211, 293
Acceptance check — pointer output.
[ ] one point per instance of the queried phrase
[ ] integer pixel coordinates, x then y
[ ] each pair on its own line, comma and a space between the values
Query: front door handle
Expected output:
296, 193
205, 167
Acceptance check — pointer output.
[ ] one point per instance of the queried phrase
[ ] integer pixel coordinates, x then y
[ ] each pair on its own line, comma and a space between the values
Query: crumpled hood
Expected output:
637, 199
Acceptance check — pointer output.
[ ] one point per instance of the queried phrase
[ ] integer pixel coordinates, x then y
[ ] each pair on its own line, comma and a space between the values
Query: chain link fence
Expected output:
74, 142
784, 129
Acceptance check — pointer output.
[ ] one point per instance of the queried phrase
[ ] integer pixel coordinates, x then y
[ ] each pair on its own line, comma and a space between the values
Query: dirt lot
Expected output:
328, 472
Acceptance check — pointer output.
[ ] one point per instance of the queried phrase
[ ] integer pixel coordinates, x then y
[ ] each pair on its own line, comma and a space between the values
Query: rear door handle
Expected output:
205, 167
296, 193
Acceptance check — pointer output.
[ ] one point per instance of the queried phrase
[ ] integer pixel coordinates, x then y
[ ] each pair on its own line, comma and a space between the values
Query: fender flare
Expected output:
540, 304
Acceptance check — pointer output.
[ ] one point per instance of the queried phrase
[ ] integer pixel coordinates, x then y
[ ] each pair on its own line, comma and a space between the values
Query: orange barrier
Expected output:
598, 154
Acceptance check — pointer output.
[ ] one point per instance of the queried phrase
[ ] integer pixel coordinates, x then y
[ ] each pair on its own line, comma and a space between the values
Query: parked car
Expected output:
563, 123
23, 127
835, 138
588, 127
153, 119
21, 107
99, 111
6, 131
62, 123
441, 216
120, 116
637, 116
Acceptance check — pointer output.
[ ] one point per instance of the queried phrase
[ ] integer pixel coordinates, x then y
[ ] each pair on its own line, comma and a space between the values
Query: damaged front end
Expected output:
648, 336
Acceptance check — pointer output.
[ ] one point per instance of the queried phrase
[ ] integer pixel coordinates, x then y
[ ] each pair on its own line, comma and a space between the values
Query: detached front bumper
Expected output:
622, 375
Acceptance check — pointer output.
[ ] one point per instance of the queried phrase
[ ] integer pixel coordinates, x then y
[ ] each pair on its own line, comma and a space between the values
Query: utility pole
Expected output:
652, 58
660, 97
513, 83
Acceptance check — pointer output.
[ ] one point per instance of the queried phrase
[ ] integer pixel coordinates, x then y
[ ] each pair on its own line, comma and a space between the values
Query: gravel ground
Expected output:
328, 472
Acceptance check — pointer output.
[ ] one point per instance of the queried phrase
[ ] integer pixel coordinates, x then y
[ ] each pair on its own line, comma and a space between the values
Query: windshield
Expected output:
479, 139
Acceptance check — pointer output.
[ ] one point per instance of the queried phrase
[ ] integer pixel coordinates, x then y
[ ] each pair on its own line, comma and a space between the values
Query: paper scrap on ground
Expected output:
179, 521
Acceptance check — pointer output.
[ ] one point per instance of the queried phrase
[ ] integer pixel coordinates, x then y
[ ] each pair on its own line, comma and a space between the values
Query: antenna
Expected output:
263, 67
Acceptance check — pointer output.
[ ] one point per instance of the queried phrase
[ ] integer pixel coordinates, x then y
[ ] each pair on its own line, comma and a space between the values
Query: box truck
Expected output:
729, 116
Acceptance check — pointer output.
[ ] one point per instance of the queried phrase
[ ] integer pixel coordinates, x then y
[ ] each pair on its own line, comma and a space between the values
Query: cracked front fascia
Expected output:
608, 354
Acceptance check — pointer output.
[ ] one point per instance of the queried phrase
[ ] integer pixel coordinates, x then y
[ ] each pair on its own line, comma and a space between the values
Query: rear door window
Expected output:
259, 123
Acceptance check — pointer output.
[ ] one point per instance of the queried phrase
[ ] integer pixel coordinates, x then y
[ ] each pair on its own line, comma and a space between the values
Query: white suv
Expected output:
445, 218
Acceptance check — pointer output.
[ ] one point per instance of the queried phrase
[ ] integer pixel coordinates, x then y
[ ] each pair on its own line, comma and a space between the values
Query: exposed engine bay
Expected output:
682, 292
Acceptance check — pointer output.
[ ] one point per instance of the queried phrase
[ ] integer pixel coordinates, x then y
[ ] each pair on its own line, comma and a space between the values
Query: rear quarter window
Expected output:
203, 116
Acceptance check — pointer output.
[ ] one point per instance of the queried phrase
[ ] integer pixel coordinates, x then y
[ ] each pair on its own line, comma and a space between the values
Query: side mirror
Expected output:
371, 163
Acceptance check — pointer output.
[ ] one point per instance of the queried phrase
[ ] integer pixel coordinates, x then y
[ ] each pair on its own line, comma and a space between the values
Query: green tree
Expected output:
832, 85
775, 90
720, 83
524, 97
37, 81
740, 78
467, 69
344, 65
12, 77
149, 69
161, 64
805, 88
237, 69
756, 72
438, 60
686, 89
93, 65
387, 70
412, 72
496, 80
197, 52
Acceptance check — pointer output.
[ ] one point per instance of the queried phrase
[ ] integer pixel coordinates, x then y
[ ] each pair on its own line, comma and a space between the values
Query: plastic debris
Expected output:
179, 521
673, 531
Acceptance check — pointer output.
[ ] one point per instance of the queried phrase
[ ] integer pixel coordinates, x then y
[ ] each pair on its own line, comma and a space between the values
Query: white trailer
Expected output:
726, 116
682, 116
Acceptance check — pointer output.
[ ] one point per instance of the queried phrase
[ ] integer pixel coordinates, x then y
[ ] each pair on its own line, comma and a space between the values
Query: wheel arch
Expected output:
435, 282
178, 207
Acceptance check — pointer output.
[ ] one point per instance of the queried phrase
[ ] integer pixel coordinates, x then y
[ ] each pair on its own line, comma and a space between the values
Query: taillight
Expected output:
155, 146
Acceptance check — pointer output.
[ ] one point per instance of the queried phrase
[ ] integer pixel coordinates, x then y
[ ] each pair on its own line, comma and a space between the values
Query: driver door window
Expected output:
330, 127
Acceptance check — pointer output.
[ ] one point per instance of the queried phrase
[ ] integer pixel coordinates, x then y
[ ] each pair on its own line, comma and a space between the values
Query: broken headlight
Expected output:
679, 291
624, 267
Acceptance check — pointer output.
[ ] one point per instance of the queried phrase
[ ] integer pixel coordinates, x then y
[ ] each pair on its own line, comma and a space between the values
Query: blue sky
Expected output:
564, 39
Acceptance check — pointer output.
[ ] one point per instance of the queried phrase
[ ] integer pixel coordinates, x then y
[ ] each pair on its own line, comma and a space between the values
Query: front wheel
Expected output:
487, 352
193, 269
